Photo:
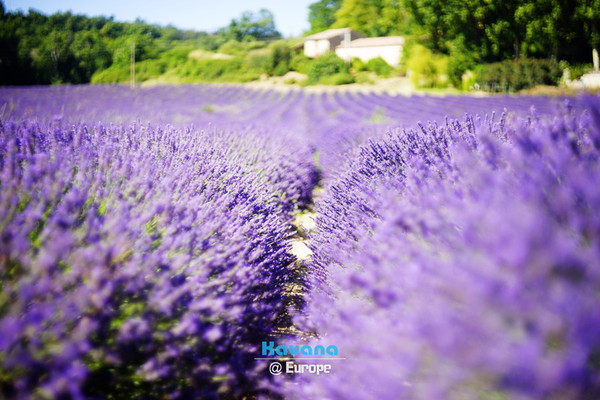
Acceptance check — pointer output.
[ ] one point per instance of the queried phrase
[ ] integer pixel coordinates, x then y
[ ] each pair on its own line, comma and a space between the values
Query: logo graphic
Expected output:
295, 359
306, 350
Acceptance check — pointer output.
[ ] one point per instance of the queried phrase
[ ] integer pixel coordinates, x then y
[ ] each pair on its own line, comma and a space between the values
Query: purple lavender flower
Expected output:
465, 264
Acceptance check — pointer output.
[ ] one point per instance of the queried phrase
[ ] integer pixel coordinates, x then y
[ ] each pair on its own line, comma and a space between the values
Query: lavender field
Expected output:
146, 243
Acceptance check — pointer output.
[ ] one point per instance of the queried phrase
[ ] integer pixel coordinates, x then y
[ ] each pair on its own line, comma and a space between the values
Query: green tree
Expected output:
250, 25
502, 29
322, 14
62, 47
507, 29
329, 69
461, 59
358, 15
431, 19
90, 55
372, 17
278, 61
14, 59
393, 19
53, 56
588, 14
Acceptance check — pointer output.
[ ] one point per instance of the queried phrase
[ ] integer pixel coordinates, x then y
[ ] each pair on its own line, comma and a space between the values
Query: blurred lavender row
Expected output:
462, 261
333, 123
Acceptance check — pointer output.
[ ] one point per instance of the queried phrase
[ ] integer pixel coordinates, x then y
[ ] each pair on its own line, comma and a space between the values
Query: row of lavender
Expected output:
332, 122
183, 105
142, 262
462, 261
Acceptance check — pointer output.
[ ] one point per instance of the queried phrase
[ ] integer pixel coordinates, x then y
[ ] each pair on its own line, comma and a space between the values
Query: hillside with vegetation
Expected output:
68, 48
494, 45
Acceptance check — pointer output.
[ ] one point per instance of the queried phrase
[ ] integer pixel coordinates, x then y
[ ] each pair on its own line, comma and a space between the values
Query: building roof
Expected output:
376, 41
328, 34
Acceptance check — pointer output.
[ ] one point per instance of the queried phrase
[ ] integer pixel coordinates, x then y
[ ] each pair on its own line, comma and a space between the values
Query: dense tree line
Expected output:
321, 14
482, 30
67, 48
371, 18
259, 26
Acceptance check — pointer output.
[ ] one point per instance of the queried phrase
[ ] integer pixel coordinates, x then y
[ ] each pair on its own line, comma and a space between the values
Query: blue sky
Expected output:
291, 17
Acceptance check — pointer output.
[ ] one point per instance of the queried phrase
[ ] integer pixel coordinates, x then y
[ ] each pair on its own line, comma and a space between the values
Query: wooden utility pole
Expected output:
132, 80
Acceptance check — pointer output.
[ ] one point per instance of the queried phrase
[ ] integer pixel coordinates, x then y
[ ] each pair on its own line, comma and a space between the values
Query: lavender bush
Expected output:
463, 263
139, 262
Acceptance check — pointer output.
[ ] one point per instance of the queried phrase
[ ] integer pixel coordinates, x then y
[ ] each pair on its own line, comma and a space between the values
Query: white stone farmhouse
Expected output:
349, 44
322, 42
389, 48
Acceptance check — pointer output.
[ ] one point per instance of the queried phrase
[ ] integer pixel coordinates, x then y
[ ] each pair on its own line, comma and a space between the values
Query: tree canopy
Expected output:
321, 14
259, 25
491, 30
68, 48
370, 17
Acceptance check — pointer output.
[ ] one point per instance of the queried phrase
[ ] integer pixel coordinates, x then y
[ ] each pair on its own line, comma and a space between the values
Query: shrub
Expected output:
461, 60
379, 66
358, 65
468, 80
300, 63
342, 78
116, 73
256, 60
232, 47
576, 71
427, 70
149, 69
327, 65
176, 56
524, 73
278, 61
364, 77
215, 70
280, 69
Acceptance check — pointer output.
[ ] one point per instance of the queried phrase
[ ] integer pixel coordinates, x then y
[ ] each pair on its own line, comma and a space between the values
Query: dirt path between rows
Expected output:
304, 223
